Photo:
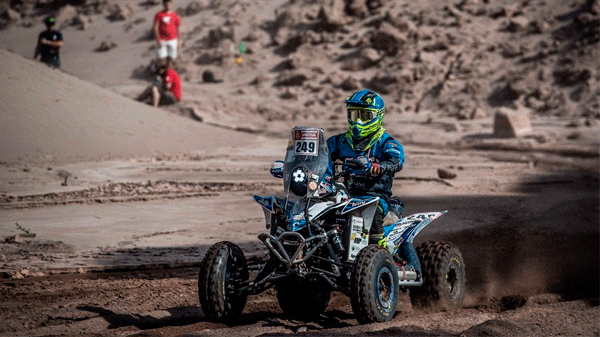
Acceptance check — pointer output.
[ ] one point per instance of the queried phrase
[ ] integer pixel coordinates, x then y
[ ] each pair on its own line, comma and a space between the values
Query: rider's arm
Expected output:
333, 155
394, 157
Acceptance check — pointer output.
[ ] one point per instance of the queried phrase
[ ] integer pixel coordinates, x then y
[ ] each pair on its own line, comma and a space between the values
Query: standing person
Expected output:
379, 157
49, 43
167, 90
166, 32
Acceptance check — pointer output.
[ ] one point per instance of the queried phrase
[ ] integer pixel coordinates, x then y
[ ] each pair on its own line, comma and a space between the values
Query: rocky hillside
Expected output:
461, 59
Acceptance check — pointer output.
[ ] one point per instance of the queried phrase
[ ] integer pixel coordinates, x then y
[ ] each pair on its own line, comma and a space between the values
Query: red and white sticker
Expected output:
306, 142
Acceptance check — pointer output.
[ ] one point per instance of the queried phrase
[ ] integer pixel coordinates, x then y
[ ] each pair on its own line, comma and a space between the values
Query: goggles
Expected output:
362, 114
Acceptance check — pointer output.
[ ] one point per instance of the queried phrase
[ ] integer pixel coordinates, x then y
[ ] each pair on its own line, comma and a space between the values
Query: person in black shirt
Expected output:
49, 43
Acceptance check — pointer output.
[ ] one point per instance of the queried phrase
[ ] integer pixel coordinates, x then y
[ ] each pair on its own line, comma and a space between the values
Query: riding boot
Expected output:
410, 255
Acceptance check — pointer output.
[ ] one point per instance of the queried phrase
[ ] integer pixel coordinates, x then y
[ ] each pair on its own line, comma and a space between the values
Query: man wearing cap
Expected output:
49, 43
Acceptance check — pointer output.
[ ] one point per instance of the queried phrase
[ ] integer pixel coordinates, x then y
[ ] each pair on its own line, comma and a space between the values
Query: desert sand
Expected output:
107, 205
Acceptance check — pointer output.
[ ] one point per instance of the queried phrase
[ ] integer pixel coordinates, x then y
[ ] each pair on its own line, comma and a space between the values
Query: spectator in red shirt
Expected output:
167, 90
166, 31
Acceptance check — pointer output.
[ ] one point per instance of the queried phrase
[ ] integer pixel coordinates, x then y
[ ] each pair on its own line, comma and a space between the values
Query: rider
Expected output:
378, 154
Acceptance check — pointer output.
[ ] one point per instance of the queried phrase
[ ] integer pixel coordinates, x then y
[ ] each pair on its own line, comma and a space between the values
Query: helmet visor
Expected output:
364, 115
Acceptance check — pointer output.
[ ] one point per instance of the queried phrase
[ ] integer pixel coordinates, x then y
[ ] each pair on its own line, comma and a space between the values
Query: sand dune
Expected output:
49, 115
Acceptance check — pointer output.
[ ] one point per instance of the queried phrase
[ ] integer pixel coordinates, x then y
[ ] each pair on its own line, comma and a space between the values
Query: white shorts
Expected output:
169, 48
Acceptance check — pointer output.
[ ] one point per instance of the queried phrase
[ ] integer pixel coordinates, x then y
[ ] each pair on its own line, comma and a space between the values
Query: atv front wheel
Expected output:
374, 285
296, 298
443, 277
222, 272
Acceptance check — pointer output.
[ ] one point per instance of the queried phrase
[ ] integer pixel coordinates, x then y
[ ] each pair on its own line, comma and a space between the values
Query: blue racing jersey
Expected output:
386, 152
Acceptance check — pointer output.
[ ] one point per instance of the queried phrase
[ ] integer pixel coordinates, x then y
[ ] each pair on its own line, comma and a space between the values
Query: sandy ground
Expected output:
107, 205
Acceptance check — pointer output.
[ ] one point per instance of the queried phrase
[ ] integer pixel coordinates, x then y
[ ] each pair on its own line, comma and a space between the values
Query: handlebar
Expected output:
345, 174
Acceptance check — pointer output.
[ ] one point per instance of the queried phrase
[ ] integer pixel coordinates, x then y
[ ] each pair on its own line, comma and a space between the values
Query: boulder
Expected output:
120, 12
568, 76
106, 46
193, 8
517, 24
291, 78
358, 8
388, 39
332, 15
446, 174
216, 35
65, 16
12, 15
512, 124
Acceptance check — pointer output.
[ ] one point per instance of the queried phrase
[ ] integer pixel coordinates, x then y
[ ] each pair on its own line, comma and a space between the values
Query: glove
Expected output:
362, 166
326, 187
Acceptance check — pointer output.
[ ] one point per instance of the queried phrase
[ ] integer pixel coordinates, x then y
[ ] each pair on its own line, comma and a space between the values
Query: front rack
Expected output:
275, 245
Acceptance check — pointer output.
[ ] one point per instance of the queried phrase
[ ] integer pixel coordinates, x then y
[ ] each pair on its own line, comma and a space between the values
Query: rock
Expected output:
292, 78
81, 21
512, 302
446, 174
388, 39
403, 24
505, 94
387, 82
215, 56
517, 24
208, 76
365, 58
5, 274
590, 122
436, 46
80, 270
511, 124
332, 15
24, 272
358, 8
574, 135
120, 12
193, 113
568, 76
14, 239
495, 327
106, 46
11, 15
287, 18
194, 7
349, 83
509, 50
477, 113
216, 35
65, 16
288, 95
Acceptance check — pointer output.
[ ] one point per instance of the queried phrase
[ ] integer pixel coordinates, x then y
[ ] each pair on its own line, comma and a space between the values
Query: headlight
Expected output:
299, 181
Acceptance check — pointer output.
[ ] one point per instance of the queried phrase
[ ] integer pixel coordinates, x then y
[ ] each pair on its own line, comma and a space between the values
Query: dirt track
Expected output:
529, 249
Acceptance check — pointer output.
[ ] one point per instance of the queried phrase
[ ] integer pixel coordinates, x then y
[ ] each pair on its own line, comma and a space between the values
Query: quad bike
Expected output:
318, 242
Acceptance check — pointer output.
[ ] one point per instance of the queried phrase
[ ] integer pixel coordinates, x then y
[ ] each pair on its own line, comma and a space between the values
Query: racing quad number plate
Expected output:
306, 142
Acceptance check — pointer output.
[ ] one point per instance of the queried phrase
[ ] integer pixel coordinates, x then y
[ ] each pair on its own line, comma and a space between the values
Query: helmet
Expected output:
365, 110
50, 20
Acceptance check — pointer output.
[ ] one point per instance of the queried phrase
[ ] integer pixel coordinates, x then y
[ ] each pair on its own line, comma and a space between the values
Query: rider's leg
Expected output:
376, 233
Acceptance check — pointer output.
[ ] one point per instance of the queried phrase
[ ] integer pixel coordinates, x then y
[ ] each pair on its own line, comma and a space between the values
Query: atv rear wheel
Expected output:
443, 277
222, 271
374, 285
296, 298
